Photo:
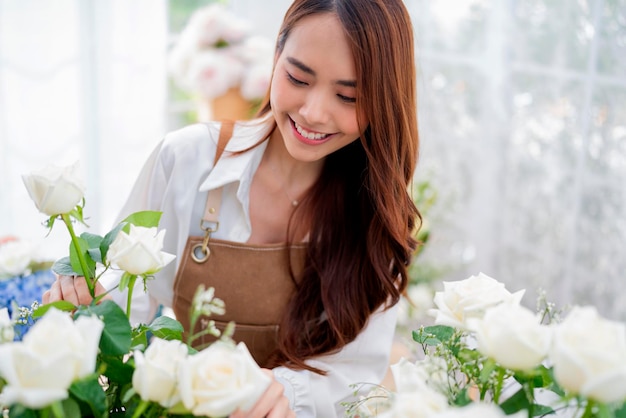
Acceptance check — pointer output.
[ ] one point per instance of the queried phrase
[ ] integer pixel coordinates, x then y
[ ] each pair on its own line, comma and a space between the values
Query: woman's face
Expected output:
314, 89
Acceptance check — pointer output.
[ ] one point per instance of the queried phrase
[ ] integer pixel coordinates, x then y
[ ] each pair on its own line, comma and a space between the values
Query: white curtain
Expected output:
523, 127
79, 80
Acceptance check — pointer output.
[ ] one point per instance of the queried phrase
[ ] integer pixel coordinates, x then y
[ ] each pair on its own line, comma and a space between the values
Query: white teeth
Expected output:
309, 135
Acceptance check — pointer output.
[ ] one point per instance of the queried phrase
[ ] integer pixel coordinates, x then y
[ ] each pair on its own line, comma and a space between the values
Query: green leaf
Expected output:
621, 411
540, 377
22, 412
140, 338
488, 367
108, 240
92, 240
127, 280
433, 335
166, 328
89, 391
63, 267
517, 402
93, 245
61, 305
117, 370
462, 398
71, 409
116, 336
147, 218
74, 260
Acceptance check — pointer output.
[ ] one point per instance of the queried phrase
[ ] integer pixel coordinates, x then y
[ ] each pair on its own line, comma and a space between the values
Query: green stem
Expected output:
530, 394
498, 389
57, 410
81, 256
129, 300
140, 409
588, 409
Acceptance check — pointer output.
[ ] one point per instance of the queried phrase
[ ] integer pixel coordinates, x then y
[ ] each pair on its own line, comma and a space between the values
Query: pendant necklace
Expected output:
294, 202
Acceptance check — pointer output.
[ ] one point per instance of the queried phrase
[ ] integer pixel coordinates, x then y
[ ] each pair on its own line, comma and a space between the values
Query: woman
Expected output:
304, 221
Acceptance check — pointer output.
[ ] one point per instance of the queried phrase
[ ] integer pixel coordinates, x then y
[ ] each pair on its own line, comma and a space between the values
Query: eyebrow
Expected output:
305, 68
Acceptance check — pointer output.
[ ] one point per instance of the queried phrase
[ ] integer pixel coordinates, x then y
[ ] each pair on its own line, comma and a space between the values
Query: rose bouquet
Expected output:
487, 351
88, 360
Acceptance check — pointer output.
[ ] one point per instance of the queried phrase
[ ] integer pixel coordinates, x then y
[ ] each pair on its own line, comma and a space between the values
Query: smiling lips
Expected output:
308, 136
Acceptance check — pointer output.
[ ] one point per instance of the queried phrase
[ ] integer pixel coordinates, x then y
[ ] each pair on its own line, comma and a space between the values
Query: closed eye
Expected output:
295, 81
346, 98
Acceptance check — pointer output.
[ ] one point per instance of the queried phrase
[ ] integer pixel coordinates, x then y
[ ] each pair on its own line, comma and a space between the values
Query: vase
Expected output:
229, 106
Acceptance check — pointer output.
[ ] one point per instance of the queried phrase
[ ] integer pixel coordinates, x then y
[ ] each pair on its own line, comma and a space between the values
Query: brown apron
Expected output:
254, 281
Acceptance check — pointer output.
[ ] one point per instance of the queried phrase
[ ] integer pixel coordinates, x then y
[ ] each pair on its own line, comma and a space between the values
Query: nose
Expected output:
316, 108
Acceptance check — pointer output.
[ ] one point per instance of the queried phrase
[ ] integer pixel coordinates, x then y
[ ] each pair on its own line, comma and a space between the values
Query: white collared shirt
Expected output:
175, 180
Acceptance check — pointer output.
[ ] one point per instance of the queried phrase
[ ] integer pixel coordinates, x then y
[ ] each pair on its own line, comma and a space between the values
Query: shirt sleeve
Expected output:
363, 361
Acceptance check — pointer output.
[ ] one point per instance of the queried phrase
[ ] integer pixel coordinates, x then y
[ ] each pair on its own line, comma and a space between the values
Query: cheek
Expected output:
280, 96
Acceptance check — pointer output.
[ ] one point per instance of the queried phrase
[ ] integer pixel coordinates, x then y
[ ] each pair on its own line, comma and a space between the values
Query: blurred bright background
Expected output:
522, 110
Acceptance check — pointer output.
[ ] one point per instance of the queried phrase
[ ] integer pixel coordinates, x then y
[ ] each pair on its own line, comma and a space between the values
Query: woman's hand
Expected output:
272, 404
72, 289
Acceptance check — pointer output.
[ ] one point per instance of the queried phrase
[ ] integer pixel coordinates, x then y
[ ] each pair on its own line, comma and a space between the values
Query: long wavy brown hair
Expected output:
361, 216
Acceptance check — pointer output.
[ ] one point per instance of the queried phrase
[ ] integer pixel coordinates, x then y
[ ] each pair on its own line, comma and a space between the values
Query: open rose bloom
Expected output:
56, 351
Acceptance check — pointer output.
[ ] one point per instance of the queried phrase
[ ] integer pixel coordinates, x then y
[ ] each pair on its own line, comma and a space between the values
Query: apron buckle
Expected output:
201, 252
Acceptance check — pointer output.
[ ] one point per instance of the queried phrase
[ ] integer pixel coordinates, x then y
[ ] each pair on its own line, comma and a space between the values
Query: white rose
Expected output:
470, 298
15, 257
55, 190
139, 251
219, 379
55, 352
408, 376
589, 355
512, 335
156, 371
422, 403
7, 333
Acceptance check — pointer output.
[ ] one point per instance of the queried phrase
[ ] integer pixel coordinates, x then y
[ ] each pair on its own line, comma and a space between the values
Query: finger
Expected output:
82, 290
53, 294
68, 290
281, 410
268, 400
101, 290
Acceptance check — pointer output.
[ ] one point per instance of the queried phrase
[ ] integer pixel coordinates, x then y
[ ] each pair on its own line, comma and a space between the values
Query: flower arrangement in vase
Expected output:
88, 360
221, 63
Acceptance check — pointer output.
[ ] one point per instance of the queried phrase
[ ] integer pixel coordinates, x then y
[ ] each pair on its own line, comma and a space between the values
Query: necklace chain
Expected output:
294, 202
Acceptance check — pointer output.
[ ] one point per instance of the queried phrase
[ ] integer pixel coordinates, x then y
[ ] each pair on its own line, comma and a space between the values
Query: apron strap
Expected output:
209, 222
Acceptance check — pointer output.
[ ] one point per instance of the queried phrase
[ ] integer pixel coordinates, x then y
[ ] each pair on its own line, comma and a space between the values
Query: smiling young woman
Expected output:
313, 223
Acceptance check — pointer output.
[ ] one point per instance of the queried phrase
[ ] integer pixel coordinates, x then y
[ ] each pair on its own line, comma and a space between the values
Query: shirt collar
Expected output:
235, 165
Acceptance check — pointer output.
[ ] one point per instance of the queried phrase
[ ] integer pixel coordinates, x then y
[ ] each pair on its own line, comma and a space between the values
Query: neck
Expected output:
296, 176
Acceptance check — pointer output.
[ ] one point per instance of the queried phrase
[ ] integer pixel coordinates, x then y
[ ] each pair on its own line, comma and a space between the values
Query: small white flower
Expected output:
206, 303
139, 251
55, 190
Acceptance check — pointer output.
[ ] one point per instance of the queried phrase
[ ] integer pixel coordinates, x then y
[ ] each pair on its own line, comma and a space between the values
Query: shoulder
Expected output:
201, 139
192, 140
